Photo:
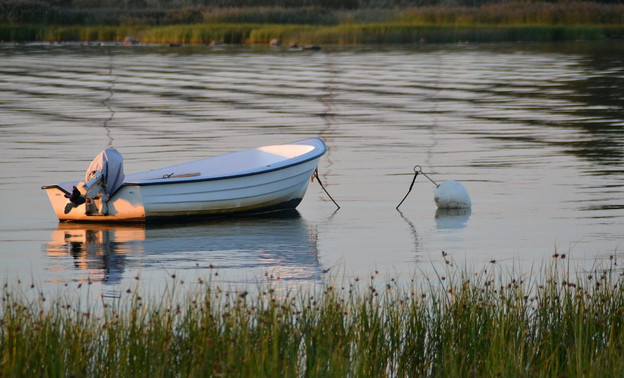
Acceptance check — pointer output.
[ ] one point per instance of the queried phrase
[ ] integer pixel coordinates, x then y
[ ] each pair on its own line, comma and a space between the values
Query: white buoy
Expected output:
451, 195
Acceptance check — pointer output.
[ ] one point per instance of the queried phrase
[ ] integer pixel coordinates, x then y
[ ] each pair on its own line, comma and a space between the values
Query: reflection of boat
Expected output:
452, 218
281, 243
250, 181
102, 250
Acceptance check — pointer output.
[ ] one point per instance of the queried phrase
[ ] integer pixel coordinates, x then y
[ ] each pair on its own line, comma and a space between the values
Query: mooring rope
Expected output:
417, 170
323, 186
410, 189
420, 171
107, 101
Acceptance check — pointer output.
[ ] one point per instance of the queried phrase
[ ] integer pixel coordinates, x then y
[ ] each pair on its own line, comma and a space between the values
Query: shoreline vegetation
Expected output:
553, 322
29, 21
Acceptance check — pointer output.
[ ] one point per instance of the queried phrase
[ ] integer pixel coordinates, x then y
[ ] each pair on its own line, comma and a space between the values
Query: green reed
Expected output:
503, 22
494, 321
19, 12
344, 34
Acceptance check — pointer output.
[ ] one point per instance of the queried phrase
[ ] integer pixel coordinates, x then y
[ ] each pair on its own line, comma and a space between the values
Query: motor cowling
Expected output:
103, 178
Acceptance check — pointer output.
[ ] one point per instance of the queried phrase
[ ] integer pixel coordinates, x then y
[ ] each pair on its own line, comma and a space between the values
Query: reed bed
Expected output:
316, 13
459, 323
500, 22
347, 34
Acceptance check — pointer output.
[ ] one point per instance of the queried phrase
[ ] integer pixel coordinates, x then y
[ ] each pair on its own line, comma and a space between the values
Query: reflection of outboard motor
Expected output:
103, 178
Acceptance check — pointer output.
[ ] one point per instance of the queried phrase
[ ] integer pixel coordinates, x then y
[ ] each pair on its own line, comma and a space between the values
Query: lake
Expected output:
534, 132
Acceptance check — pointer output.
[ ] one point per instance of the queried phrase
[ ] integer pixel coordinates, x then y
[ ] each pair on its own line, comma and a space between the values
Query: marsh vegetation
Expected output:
494, 321
348, 22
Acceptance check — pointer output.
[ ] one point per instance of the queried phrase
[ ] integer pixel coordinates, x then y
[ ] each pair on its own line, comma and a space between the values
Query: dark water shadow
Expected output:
283, 243
594, 105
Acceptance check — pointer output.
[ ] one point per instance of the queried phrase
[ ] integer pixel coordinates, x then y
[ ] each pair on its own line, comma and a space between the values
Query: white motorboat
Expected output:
263, 179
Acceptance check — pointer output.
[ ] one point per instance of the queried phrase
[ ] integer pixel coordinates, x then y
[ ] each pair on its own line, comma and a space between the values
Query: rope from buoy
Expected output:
424, 174
323, 186
417, 170
410, 188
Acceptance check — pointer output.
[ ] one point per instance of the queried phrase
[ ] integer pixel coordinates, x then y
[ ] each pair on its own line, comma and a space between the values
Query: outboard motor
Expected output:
103, 178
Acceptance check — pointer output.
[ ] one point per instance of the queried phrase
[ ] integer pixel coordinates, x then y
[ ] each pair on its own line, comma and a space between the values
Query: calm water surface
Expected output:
534, 132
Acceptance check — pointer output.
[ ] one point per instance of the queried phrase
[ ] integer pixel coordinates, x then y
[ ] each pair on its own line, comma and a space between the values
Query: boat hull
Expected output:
274, 189
126, 205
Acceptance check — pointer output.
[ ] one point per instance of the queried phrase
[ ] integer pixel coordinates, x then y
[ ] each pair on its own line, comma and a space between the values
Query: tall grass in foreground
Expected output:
460, 323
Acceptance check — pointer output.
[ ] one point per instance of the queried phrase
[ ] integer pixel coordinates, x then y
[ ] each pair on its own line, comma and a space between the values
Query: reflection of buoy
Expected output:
451, 195
452, 218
